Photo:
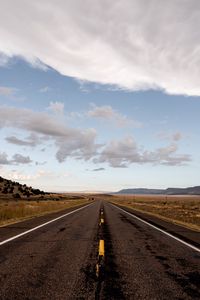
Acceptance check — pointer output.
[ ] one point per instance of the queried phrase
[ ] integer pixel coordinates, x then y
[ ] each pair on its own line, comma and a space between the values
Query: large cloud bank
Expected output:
42, 127
134, 44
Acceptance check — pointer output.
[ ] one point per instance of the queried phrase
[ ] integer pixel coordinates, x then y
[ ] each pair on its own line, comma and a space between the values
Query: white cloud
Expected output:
22, 176
56, 107
18, 176
6, 91
80, 146
4, 159
16, 159
20, 159
174, 137
122, 153
134, 44
106, 112
38, 122
177, 136
3, 59
83, 85
32, 140
76, 115
166, 156
69, 141
37, 163
79, 143
45, 89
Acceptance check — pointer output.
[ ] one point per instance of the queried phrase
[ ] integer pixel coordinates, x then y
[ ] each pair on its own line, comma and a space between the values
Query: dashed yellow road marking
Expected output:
97, 270
101, 253
101, 248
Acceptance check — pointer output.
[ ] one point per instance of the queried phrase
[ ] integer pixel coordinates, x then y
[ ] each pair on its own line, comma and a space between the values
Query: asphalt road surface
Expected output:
58, 260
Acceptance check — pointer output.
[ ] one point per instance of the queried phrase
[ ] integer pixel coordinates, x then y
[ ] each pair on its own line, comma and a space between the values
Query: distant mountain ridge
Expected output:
169, 191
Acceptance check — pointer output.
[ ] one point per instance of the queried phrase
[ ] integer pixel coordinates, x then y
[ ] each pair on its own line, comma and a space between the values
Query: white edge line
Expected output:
44, 224
157, 228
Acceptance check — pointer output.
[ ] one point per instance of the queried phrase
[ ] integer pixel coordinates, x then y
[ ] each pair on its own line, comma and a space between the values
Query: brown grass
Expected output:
184, 210
13, 211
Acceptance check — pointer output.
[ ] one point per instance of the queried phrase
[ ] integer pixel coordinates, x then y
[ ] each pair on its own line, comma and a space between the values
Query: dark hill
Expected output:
12, 189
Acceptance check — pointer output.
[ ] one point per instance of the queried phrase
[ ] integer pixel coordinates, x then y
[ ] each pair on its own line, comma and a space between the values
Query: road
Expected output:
58, 260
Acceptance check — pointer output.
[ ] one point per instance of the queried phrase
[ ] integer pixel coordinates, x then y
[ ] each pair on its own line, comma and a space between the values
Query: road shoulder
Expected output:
186, 234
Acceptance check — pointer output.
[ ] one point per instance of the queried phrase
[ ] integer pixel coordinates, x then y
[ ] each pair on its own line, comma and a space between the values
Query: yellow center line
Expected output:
102, 220
101, 248
97, 270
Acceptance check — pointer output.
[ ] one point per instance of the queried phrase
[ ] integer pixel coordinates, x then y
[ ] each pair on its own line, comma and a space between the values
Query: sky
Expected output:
100, 95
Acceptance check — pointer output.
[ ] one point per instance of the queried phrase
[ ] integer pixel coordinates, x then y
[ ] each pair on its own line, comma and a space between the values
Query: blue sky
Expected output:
81, 114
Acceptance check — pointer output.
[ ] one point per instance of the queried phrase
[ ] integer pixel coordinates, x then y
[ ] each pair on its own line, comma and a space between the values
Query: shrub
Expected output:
17, 196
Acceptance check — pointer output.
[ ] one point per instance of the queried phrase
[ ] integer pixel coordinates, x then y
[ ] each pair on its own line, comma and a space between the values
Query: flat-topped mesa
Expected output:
169, 191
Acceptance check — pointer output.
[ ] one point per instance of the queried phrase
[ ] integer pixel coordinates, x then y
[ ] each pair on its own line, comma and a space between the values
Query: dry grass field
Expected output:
19, 201
184, 210
14, 211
